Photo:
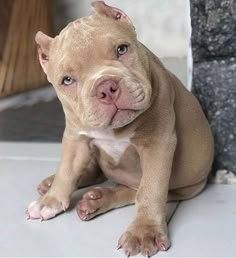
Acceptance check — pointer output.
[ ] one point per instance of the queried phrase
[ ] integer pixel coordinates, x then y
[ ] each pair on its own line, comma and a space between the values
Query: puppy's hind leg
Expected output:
102, 199
187, 192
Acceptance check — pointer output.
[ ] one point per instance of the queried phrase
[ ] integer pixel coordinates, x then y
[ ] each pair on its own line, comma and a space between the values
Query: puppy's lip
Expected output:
125, 109
119, 110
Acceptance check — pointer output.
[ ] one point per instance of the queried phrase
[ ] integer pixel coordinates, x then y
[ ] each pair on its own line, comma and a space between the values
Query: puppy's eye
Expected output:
122, 49
67, 81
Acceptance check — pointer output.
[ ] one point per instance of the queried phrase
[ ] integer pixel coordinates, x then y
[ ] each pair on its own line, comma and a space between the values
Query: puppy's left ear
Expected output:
112, 12
43, 41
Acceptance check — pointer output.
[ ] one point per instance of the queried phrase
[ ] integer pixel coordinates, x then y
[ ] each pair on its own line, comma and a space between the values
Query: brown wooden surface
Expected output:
19, 66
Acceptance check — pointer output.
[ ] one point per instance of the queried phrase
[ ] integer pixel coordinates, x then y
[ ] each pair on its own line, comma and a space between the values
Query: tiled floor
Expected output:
203, 226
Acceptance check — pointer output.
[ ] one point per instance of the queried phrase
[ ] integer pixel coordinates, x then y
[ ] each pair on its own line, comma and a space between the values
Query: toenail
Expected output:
162, 247
146, 253
28, 216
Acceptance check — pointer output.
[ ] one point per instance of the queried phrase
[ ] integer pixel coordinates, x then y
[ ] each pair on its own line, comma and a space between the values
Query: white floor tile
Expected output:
206, 225
203, 226
63, 236
30, 151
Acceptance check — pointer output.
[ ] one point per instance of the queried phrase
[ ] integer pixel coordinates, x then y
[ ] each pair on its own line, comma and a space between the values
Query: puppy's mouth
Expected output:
115, 103
118, 113
121, 117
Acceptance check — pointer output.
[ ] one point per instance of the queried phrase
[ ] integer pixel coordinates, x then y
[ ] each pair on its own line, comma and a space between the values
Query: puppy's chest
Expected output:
109, 143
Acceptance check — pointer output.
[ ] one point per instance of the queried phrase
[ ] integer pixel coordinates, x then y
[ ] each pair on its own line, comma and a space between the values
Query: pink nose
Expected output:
108, 92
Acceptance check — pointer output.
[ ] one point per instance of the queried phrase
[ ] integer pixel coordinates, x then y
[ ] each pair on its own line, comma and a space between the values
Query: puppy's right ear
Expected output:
43, 43
112, 12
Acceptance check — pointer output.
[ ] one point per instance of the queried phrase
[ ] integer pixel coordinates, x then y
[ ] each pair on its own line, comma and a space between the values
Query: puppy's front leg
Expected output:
76, 157
148, 232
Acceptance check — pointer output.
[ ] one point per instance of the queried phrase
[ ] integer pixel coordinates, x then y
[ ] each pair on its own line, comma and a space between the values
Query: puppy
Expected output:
128, 119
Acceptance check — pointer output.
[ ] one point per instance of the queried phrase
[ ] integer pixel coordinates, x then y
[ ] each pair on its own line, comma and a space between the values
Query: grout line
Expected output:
25, 158
173, 213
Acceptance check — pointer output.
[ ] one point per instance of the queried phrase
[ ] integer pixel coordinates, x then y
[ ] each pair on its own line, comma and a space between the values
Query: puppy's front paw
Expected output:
46, 208
145, 238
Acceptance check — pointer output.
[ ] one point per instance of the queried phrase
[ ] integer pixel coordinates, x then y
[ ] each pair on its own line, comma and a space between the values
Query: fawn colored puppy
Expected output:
128, 119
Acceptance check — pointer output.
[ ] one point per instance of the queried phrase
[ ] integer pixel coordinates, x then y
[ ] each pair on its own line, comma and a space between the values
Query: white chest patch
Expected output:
106, 140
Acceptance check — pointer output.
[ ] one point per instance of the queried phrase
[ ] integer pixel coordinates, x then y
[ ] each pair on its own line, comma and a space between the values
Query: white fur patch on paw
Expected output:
33, 210
48, 213
36, 210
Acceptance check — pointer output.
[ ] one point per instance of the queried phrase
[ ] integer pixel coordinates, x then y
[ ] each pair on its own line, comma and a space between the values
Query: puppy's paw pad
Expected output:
94, 202
95, 193
87, 208
45, 185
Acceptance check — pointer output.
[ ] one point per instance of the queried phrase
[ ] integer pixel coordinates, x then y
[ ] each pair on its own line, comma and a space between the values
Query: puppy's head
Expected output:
99, 69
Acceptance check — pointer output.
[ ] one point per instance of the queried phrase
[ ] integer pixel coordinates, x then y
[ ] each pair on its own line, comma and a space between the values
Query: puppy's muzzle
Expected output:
108, 92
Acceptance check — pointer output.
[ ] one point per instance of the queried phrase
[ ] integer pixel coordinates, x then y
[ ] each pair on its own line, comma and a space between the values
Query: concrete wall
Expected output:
214, 77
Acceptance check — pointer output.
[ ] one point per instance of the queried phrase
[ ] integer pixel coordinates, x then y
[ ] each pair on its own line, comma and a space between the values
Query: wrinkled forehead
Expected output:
87, 32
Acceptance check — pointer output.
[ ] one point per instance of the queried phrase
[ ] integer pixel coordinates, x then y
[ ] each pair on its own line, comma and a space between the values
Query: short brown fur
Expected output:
171, 146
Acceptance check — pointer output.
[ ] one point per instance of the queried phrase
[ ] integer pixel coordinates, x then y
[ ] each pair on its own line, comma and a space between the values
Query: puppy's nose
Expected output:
108, 92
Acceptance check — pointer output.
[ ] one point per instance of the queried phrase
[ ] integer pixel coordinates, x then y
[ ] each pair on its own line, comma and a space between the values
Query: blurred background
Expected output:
195, 39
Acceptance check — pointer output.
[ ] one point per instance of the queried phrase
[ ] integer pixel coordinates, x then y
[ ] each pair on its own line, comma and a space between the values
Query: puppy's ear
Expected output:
43, 43
112, 12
